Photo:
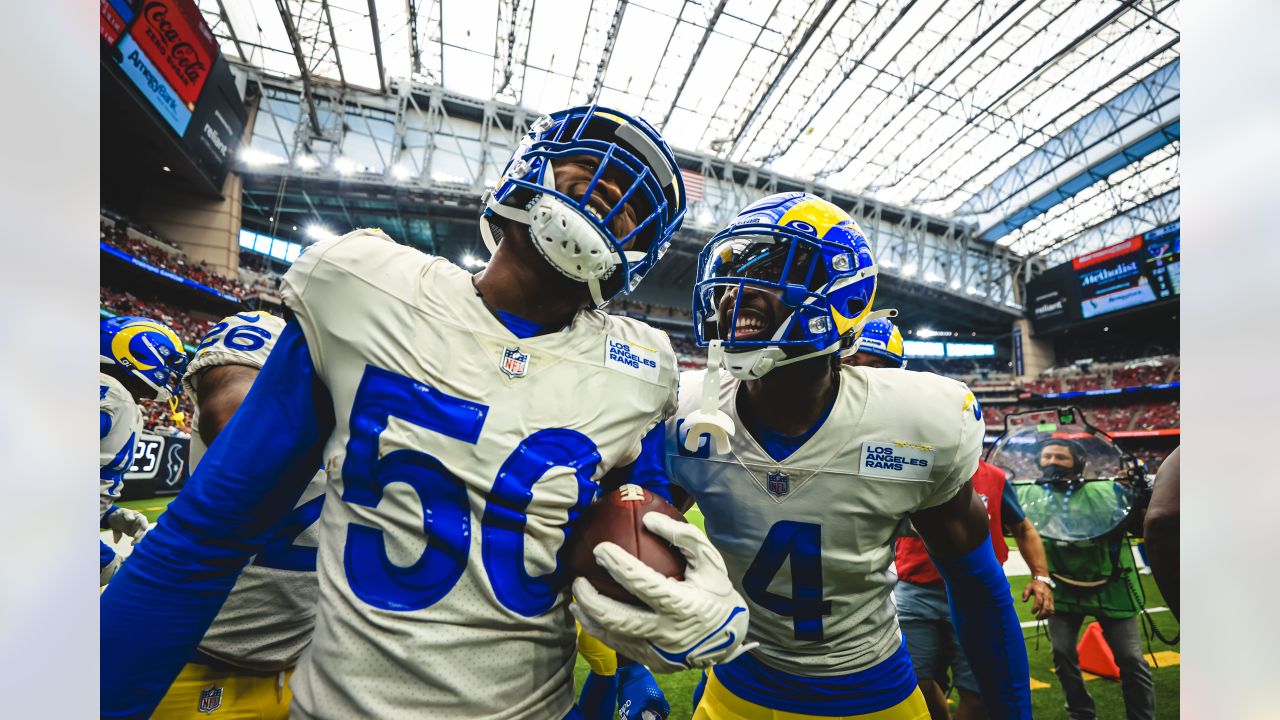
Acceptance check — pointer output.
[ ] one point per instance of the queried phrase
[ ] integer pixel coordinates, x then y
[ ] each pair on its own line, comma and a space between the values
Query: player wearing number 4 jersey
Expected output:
824, 464
464, 423
244, 660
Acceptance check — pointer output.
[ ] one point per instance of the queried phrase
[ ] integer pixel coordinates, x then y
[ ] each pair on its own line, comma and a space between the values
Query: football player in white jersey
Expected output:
244, 661
464, 423
138, 359
824, 463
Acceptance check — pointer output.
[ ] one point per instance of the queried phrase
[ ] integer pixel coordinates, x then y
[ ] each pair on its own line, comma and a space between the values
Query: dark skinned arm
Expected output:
1161, 529
219, 392
957, 537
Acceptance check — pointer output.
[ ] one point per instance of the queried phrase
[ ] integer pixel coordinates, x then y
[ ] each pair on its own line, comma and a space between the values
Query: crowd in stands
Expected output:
188, 327
174, 260
1111, 418
646, 310
1099, 376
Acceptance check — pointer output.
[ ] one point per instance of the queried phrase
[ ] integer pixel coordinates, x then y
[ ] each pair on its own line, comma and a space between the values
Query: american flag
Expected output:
693, 184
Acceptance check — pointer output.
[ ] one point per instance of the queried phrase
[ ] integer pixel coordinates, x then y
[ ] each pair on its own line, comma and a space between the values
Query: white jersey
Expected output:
119, 423
267, 620
460, 453
809, 541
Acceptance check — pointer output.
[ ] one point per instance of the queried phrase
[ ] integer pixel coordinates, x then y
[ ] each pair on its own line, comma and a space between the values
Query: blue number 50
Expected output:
446, 510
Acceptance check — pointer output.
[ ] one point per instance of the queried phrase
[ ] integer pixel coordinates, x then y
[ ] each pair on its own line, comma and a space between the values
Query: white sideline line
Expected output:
1033, 623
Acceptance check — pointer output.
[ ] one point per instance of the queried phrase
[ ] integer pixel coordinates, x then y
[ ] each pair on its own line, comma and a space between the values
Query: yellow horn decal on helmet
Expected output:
895, 342
844, 324
120, 343
819, 213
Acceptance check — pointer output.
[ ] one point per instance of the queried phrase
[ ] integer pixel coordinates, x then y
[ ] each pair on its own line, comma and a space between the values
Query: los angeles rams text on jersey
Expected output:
808, 540
452, 477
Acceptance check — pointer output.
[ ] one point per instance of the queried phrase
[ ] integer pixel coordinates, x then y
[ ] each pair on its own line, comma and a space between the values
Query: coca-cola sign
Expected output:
176, 39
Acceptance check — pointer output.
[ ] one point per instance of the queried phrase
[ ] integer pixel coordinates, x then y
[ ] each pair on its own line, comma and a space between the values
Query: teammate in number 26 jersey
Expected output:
266, 622
243, 661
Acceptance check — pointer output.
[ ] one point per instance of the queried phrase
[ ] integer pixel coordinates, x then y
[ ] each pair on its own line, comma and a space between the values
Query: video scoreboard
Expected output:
1141, 270
166, 52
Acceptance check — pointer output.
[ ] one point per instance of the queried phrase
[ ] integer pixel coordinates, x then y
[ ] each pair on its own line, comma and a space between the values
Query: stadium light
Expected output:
344, 166
165, 168
955, 285
307, 162
472, 261
908, 270
401, 172
254, 156
932, 277
320, 232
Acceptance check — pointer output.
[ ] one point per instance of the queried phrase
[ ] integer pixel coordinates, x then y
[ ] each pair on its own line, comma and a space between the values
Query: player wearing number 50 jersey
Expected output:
244, 660
464, 422
824, 464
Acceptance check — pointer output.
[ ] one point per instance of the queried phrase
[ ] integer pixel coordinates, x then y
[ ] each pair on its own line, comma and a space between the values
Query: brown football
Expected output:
616, 517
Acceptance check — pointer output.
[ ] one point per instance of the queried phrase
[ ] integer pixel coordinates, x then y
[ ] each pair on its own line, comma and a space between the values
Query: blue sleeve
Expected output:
105, 555
1011, 512
990, 634
649, 470
104, 424
162, 601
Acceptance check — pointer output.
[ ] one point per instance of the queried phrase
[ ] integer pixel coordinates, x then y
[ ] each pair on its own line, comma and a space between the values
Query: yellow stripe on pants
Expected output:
718, 703
236, 696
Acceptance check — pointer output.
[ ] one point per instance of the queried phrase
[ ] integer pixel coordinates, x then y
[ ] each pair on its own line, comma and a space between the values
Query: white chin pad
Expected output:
570, 242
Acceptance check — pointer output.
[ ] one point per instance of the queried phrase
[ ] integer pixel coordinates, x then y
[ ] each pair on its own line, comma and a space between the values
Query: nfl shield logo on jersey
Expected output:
779, 483
515, 363
210, 699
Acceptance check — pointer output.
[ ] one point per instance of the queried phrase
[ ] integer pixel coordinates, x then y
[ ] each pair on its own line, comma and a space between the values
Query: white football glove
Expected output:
122, 520
692, 623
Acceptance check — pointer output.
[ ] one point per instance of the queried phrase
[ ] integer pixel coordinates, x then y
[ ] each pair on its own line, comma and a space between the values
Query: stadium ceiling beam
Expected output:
415, 52
693, 62
1127, 222
988, 111
1129, 126
610, 38
749, 120
333, 40
377, 46
222, 13
1070, 187
304, 74
932, 252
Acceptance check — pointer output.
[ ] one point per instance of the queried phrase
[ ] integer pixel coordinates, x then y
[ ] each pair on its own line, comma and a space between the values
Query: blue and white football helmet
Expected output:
879, 337
149, 350
573, 238
813, 254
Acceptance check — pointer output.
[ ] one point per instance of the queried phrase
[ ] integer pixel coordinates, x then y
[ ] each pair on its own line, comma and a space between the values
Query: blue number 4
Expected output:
446, 509
802, 543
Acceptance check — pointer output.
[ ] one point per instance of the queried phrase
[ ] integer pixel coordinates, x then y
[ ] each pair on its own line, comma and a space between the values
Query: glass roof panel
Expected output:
923, 103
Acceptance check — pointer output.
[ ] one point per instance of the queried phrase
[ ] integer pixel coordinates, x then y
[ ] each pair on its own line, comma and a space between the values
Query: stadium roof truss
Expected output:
1039, 128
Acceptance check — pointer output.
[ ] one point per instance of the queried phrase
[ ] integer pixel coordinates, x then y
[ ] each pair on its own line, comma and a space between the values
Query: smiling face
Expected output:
573, 176
760, 313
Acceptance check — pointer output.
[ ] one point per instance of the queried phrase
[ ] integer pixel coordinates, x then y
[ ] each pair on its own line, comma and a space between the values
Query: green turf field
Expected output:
1046, 696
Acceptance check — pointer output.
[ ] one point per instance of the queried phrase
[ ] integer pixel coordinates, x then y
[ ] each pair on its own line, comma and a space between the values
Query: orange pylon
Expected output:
1095, 655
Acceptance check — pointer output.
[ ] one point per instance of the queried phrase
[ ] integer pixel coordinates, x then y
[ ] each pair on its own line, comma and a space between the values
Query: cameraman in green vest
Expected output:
1095, 576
